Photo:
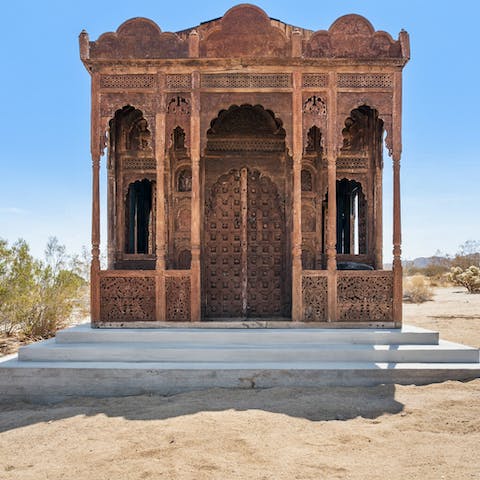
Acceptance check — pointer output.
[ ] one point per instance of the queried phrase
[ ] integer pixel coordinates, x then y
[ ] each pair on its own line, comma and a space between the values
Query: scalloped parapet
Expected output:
138, 38
246, 31
353, 36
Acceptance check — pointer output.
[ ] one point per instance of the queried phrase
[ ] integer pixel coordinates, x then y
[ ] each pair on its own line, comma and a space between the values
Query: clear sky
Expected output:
45, 164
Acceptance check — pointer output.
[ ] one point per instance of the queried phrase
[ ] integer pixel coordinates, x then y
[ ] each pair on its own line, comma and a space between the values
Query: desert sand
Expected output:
393, 432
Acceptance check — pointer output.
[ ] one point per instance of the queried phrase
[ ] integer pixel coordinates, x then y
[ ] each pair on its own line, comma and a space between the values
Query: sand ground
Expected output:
386, 432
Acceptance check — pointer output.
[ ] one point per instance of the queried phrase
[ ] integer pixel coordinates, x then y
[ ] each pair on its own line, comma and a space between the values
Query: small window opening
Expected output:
351, 220
139, 217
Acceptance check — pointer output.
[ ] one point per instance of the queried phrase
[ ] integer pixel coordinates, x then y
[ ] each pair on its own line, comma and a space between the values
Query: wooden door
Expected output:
244, 257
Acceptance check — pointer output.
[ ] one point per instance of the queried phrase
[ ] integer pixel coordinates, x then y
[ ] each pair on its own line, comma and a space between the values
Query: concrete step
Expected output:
246, 336
444, 352
56, 381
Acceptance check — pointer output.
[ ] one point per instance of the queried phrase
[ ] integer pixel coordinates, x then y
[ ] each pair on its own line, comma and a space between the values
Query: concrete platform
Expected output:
97, 362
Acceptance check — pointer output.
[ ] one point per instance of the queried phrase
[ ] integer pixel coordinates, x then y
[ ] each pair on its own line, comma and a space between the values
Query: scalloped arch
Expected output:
264, 118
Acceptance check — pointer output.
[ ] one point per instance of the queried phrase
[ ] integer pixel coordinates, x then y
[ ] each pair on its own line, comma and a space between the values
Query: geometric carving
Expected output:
139, 164
315, 105
352, 163
365, 296
178, 105
314, 294
177, 294
127, 299
246, 145
178, 81
365, 80
128, 81
246, 80
312, 80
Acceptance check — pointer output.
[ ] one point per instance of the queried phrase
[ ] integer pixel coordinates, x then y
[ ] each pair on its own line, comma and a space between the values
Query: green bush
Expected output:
36, 298
468, 278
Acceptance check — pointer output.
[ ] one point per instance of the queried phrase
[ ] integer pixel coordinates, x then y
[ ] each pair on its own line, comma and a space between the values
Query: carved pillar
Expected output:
110, 215
196, 211
297, 147
95, 265
96, 148
397, 242
397, 228
332, 154
160, 204
378, 218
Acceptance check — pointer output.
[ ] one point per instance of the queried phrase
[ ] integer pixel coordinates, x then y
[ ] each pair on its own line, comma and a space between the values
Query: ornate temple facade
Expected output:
244, 160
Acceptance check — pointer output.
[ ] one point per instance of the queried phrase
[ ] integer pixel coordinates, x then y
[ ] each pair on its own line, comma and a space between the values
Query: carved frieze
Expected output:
314, 80
246, 80
128, 81
178, 81
365, 80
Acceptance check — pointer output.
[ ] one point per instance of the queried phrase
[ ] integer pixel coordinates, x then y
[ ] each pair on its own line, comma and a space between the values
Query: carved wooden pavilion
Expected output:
245, 161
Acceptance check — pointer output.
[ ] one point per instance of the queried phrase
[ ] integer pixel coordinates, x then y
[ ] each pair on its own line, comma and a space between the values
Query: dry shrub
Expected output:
417, 289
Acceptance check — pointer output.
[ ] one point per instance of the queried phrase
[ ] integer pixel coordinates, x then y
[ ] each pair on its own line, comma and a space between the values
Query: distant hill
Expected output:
422, 262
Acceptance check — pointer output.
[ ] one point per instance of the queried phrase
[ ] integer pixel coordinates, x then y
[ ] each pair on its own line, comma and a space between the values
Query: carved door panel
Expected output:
265, 248
244, 247
223, 256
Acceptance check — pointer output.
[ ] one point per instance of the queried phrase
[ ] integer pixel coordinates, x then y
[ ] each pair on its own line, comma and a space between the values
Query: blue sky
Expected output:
45, 164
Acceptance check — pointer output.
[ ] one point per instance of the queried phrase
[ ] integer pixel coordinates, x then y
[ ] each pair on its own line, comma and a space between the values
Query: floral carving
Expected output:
179, 105
127, 299
177, 291
314, 292
315, 105
365, 297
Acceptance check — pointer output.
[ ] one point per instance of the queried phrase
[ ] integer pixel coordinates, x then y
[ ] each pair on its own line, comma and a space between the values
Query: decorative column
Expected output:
195, 293
96, 152
397, 228
95, 265
111, 209
332, 153
378, 218
160, 304
397, 242
297, 147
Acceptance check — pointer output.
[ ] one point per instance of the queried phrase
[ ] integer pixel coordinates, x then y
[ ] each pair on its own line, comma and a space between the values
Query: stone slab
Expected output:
52, 382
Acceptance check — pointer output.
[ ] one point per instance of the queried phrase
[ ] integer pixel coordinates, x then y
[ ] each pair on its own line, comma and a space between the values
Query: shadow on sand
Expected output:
314, 404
